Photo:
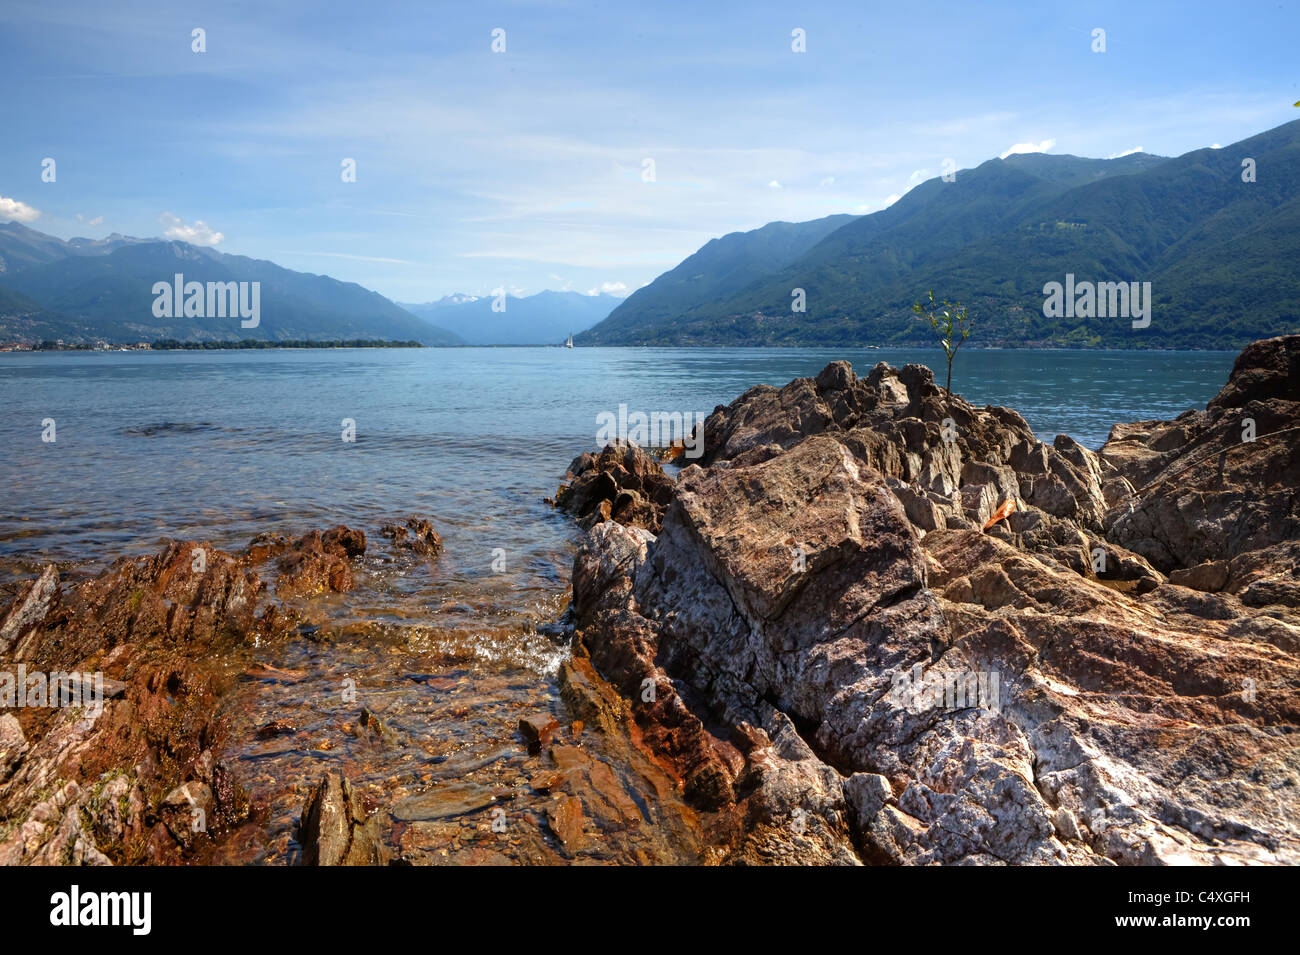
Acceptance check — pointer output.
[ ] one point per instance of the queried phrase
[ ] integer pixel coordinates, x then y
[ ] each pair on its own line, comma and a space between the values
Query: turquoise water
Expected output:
225, 445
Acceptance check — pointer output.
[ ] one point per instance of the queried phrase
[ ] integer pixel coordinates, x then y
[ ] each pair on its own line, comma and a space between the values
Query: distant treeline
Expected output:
172, 344
168, 344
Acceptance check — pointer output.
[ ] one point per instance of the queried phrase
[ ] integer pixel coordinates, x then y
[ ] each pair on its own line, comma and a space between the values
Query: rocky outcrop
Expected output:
137, 775
621, 483
837, 662
1212, 485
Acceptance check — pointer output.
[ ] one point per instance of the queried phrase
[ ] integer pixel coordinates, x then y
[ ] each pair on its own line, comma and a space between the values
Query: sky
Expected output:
606, 141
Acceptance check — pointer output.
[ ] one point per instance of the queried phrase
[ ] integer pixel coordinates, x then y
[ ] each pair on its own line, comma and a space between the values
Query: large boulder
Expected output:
845, 655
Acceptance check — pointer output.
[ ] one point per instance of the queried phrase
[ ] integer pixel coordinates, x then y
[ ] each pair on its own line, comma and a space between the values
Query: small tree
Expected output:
949, 320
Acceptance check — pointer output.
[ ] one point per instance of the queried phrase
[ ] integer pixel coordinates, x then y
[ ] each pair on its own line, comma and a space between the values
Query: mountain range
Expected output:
546, 318
84, 290
1216, 232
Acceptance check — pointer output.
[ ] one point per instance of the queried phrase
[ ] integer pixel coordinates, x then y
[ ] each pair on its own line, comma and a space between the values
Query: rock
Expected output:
446, 802
415, 534
538, 730
318, 562
186, 810
621, 483
564, 816
351, 542
29, 610
103, 784
13, 745
838, 666
372, 725
1206, 489
335, 829
276, 728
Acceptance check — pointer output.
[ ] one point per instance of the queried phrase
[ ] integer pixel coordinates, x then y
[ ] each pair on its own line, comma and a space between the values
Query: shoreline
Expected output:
199, 347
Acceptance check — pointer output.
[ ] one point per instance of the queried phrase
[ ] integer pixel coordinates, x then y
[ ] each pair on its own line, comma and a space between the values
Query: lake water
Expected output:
222, 446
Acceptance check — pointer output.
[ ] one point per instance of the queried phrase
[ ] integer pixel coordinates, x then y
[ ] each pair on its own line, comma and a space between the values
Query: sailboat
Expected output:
569, 342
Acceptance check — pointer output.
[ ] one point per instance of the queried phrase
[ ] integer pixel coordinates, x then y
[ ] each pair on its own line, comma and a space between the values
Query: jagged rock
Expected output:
318, 562
1214, 484
415, 534
98, 784
837, 663
335, 829
621, 483
28, 611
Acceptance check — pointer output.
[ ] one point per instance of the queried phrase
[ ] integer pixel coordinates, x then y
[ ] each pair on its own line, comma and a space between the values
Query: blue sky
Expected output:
524, 169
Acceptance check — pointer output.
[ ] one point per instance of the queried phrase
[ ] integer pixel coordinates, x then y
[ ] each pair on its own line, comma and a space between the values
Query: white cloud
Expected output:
864, 208
17, 211
1127, 152
98, 220
774, 185
198, 234
1215, 146
1042, 147
828, 181
918, 176
618, 289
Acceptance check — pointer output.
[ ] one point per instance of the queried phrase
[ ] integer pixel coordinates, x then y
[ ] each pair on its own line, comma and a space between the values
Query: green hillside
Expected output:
1220, 255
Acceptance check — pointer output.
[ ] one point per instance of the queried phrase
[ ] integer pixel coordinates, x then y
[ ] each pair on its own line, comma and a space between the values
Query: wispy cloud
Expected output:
1127, 152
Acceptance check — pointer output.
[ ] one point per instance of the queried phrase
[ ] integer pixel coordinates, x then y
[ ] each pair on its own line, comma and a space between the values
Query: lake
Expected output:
224, 445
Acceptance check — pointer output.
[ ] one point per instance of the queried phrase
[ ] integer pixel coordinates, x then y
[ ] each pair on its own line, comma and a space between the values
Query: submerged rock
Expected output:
415, 534
836, 661
335, 829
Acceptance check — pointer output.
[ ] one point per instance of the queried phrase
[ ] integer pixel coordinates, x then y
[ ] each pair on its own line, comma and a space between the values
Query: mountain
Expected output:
721, 268
22, 247
546, 318
91, 289
1219, 253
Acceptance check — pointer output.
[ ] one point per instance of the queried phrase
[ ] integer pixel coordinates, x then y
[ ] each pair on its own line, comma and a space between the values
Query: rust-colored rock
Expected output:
622, 483
537, 731
415, 534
